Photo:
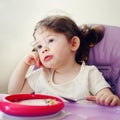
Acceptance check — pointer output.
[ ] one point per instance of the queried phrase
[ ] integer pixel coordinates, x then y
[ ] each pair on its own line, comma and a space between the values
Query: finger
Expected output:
108, 101
37, 59
39, 64
101, 99
115, 101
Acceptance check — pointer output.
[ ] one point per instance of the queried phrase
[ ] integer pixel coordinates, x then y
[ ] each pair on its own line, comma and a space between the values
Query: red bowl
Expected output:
10, 105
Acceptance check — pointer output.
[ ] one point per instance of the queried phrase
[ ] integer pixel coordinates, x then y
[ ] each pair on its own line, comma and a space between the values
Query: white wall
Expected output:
18, 17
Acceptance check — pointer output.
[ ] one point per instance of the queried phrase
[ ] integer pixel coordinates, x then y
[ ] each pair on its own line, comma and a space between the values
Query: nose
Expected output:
45, 50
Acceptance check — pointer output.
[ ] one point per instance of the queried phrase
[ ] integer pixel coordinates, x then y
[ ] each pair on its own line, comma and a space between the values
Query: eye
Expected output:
50, 40
39, 46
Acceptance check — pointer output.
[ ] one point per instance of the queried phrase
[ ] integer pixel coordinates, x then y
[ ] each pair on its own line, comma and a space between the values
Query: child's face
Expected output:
54, 48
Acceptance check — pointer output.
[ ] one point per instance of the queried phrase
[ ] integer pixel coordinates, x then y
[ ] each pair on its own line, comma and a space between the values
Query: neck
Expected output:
67, 68
66, 73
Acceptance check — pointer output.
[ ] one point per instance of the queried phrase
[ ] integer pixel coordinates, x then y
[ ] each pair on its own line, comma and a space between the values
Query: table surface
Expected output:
74, 111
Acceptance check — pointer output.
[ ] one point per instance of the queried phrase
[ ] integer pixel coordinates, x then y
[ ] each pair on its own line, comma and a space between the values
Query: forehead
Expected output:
44, 32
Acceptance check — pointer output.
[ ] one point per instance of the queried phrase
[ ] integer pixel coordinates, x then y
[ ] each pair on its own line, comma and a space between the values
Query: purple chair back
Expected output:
106, 55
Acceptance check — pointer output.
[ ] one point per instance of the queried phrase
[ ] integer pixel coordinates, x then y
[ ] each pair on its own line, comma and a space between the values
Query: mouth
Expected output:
48, 58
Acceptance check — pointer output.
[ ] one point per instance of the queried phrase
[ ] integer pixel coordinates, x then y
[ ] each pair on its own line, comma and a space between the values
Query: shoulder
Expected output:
89, 68
38, 77
35, 73
92, 71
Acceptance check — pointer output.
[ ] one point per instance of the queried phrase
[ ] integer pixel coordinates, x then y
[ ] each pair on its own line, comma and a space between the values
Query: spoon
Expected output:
89, 98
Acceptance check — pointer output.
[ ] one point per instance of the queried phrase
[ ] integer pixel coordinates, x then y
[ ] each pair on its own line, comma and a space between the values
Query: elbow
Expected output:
12, 91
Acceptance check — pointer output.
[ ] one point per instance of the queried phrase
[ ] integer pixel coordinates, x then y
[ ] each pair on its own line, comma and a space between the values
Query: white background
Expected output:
18, 18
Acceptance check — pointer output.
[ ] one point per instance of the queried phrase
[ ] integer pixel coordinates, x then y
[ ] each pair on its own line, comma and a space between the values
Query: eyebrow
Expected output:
36, 42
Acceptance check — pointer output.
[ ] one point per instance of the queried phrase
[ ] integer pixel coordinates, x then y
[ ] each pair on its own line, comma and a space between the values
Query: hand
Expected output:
106, 97
33, 59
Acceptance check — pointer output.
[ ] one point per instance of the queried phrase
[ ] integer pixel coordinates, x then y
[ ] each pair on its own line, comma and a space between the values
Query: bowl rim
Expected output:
10, 107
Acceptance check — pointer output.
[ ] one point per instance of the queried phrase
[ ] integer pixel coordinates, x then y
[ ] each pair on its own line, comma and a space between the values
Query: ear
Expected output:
75, 43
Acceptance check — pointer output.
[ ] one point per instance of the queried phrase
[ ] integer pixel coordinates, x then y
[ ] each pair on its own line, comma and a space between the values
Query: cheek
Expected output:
60, 48
58, 52
62, 53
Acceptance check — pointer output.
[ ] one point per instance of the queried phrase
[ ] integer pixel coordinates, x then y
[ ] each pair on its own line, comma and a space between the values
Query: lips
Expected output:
48, 58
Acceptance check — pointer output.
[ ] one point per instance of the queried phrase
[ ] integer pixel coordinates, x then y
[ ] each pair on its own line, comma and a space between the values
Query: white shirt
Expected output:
88, 82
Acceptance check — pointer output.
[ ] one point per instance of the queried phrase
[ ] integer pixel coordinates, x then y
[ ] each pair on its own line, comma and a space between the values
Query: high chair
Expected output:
105, 55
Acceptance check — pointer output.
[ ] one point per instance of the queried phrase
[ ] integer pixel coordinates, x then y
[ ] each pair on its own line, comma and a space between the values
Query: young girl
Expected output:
60, 53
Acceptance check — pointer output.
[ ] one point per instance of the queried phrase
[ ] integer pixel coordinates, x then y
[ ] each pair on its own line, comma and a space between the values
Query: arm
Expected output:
101, 89
18, 83
106, 97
